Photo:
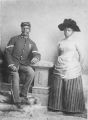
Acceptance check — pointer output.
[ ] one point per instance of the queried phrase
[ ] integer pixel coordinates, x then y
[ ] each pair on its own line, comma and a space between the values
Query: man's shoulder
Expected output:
32, 42
15, 37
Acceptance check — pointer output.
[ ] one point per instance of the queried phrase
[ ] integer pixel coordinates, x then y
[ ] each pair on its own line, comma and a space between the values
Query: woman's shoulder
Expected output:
61, 41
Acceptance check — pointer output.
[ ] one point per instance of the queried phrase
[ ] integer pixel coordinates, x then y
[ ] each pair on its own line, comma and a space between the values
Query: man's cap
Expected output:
25, 24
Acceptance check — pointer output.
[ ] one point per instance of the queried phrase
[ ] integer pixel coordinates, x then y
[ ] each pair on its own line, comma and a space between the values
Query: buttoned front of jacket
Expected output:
21, 50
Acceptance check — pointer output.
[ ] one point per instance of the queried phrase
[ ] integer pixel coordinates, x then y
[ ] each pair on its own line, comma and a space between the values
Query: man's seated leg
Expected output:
29, 73
15, 88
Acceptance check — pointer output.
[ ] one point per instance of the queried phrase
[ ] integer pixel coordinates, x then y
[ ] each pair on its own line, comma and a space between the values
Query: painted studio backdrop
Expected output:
44, 16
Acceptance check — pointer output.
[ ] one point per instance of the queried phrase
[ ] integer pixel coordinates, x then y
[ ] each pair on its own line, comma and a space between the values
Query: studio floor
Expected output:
9, 111
35, 112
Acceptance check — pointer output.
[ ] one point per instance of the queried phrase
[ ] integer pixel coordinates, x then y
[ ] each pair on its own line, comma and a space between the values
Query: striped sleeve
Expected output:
8, 51
35, 51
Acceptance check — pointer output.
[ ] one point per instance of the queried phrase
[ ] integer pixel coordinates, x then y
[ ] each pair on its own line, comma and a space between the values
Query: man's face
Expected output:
25, 30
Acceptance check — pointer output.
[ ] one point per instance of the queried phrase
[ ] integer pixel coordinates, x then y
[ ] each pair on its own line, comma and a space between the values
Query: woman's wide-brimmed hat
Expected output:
69, 23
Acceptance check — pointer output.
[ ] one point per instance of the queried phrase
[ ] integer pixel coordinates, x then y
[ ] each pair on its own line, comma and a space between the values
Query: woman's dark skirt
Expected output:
66, 95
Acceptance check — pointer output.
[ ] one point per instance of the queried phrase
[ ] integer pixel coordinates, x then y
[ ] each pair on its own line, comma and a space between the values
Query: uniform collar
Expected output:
24, 36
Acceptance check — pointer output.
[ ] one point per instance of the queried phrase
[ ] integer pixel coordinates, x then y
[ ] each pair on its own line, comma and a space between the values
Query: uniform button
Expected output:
20, 57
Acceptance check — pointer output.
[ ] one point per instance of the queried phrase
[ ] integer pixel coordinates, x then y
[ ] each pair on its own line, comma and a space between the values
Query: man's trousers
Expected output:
15, 80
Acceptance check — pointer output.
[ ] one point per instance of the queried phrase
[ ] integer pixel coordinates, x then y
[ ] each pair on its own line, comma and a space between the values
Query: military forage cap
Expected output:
25, 24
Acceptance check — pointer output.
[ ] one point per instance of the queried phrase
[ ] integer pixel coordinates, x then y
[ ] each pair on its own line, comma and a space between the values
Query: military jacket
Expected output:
21, 50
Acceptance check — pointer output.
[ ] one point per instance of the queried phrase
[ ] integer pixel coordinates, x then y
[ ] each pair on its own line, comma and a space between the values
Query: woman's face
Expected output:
68, 32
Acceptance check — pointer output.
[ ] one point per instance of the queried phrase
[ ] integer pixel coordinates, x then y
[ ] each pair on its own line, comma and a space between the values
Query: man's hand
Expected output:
12, 68
34, 60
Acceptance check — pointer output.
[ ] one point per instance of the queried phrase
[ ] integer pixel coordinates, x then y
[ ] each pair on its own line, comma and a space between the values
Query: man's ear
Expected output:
29, 29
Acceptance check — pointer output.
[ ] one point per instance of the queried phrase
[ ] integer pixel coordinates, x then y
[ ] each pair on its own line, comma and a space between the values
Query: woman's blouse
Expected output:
68, 65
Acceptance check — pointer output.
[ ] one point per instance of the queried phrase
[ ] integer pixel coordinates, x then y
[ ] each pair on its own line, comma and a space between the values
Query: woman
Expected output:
66, 93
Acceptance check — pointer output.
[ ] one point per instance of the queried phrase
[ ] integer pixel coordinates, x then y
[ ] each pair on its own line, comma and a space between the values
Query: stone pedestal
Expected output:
41, 88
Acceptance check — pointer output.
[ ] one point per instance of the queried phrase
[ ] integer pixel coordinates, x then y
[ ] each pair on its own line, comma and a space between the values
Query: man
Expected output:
21, 52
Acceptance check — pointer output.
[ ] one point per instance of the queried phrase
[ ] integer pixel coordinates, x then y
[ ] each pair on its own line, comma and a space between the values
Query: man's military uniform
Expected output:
19, 52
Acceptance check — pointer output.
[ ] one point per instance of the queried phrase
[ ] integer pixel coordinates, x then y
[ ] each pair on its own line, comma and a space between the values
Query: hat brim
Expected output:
63, 26
25, 24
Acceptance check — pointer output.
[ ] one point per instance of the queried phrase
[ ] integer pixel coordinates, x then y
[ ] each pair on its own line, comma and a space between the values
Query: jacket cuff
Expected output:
10, 65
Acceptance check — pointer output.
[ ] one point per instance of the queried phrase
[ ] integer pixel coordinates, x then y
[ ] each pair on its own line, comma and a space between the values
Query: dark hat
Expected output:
68, 23
25, 24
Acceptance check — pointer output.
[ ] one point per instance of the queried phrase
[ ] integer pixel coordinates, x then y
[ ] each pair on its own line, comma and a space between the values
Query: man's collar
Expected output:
24, 36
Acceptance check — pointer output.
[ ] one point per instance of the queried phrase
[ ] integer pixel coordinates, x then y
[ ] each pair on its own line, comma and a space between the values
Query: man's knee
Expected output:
30, 71
14, 75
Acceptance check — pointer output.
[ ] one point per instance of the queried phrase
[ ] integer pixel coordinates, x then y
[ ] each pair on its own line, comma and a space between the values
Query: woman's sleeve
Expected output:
58, 48
82, 57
